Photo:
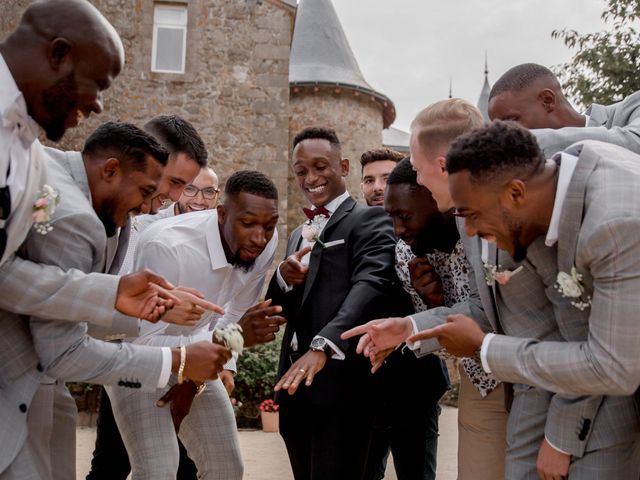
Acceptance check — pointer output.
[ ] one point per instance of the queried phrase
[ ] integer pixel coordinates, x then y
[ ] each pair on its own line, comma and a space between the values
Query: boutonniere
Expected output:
312, 229
230, 337
493, 274
47, 199
570, 286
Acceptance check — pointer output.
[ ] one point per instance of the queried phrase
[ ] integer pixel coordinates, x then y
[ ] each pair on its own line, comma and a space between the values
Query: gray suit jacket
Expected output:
500, 308
29, 288
618, 124
599, 234
62, 348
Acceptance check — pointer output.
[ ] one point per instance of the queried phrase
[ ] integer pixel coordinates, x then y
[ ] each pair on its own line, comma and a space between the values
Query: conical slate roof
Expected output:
483, 101
321, 55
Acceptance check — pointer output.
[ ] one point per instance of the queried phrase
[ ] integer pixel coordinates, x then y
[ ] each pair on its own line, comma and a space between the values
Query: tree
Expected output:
605, 67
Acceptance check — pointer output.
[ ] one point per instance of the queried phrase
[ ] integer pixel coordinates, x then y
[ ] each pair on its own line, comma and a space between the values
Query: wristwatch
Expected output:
320, 344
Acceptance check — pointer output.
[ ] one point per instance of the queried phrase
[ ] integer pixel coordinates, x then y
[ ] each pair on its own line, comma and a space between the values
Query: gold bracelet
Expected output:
183, 361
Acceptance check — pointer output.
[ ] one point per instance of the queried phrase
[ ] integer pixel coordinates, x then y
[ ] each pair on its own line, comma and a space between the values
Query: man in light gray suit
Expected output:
566, 426
530, 95
53, 69
98, 193
574, 222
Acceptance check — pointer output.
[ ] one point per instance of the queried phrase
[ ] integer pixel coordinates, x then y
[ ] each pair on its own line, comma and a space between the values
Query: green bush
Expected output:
257, 373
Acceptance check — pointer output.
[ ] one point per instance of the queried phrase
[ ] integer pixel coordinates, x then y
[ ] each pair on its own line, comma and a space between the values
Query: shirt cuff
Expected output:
281, 283
231, 364
337, 353
483, 351
413, 345
165, 373
554, 447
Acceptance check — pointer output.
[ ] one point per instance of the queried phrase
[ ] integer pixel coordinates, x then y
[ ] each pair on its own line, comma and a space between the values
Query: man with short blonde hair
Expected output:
432, 131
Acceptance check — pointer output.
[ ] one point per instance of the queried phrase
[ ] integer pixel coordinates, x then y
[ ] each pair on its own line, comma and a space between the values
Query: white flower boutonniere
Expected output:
47, 199
231, 337
570, 286
492, 274
312, 229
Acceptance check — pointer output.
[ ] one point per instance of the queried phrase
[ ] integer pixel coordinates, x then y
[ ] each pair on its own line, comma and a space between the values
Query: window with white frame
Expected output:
169, 39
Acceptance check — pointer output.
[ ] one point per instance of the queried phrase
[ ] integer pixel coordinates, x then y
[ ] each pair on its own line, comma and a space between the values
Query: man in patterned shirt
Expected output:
433, 270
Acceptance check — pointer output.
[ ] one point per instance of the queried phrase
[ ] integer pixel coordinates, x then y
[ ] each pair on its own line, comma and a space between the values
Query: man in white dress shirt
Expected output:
226, 254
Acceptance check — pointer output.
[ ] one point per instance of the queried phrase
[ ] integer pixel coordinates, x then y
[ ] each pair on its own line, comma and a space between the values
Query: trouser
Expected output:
482, 423
110, 458
324, 442
208, 432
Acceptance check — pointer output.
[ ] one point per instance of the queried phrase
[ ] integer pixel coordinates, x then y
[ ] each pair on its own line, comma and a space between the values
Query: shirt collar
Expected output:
567, 167
334, 204
12, 100
214, 243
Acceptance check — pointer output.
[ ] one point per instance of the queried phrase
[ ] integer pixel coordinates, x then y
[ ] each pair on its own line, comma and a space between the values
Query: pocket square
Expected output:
333, 243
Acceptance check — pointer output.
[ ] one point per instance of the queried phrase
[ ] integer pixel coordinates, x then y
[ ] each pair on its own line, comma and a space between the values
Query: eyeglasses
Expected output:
208, 193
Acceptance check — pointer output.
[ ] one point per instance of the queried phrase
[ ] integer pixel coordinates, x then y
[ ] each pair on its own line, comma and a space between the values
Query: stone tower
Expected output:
328, 89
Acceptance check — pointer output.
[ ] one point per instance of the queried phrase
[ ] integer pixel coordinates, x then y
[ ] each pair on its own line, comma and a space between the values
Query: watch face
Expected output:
318, 343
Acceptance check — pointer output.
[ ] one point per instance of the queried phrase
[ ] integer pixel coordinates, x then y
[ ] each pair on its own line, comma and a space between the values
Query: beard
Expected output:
244, 265
515, 233
106, 215
59, 99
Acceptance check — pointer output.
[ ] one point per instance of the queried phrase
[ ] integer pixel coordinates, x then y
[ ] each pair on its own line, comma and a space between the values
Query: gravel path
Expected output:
265, 456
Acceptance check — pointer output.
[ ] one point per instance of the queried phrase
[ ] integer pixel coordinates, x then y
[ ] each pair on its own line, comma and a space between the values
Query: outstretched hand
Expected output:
260, 323
191, 307
461, 336
379, 335
307, 366
204, 360
292, 270
144, 295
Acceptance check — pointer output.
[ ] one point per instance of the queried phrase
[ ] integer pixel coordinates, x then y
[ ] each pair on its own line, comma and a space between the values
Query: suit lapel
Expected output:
21, 222
597, 115
571, 217
316, 253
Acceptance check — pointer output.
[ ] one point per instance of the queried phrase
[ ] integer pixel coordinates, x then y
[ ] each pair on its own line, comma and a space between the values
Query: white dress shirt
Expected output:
19, 148
332, 206
187, 251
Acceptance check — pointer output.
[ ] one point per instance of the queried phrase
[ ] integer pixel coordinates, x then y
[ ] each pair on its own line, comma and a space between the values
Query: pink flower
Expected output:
41, 203
39, 216
503, 277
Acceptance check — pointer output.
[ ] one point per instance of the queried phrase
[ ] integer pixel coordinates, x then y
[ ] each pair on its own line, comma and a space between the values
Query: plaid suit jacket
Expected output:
33, 348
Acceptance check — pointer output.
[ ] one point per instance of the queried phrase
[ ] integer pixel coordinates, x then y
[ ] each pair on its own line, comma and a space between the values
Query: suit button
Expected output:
23, 408
137, 385
39, 368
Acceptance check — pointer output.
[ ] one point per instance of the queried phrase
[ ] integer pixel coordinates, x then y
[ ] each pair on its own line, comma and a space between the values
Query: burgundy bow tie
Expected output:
311, 214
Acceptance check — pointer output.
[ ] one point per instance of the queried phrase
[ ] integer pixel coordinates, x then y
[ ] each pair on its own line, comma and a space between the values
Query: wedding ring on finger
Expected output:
302, 370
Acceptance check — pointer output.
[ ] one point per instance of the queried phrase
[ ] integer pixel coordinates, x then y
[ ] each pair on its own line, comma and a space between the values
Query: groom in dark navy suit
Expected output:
337, 274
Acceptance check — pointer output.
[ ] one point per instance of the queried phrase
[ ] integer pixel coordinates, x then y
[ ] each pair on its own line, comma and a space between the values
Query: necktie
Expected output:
311, 214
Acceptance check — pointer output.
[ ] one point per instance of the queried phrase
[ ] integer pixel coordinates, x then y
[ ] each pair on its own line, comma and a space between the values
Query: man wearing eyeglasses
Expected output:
201, 194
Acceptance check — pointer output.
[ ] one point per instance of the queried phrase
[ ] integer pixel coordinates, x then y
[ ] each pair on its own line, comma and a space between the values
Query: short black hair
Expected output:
126, 142
494, 152
403, 172
178, 136
321, 133
379, 154
520, 77
253, 182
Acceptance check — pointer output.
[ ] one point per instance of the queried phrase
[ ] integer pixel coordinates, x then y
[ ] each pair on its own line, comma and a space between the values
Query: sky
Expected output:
409, 49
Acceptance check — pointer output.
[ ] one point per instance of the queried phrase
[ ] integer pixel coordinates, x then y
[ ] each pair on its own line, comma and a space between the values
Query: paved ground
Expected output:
265, 456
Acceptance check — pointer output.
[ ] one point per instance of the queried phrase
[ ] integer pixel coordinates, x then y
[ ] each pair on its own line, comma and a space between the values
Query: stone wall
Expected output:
356, 119
235, 89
